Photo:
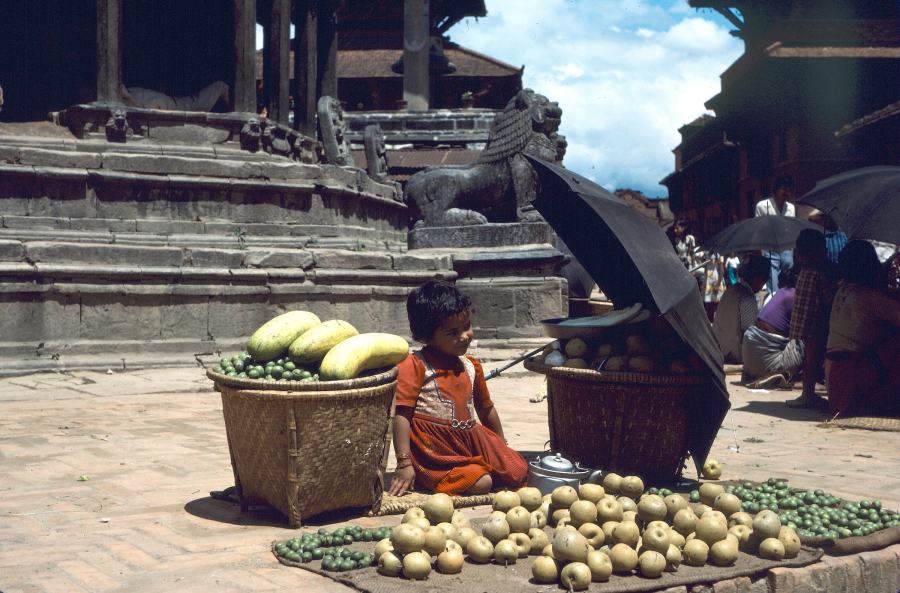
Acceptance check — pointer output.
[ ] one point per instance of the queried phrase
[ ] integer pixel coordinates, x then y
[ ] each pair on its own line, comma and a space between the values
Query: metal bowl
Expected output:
568, 332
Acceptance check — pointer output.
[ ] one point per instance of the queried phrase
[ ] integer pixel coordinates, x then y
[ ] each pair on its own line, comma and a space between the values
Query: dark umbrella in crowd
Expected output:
865, 202
633, 261
769, 233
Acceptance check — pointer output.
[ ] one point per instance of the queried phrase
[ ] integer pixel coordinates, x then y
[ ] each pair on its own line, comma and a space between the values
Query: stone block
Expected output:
100, 254
173, 165
170, 227
423, 261
109, 317
353, 260
728, 586
837, 574
60, 158
47, 223
184, 317
278, 258
187, 133
213, 258
113, 225
481, 235
781, 580
12, 251
877, 574
282, 170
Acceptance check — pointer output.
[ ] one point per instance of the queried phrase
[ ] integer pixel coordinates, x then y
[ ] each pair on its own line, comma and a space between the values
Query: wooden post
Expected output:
416, 43
244, 56
109, 51
305, 66
276, 61
327, 48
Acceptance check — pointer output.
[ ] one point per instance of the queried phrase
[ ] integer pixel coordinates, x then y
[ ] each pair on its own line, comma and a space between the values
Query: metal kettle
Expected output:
552, 471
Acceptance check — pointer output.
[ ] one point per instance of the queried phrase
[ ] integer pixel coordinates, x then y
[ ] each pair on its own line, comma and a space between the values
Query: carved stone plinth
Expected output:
481, 235
511, 272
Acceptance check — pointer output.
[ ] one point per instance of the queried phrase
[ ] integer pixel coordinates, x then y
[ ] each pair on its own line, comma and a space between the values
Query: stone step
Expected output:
169, 232
53, 256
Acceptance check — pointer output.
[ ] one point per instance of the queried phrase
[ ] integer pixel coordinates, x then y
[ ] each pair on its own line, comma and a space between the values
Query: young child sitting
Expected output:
438, 443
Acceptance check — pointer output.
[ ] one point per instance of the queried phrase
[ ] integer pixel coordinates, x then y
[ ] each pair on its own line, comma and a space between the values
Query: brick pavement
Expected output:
152, 444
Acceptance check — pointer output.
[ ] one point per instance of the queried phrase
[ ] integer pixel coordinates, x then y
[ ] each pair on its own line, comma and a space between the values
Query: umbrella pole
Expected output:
497, 372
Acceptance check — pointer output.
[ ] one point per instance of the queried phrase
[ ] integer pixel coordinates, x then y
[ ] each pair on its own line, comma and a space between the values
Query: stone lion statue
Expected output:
500, 184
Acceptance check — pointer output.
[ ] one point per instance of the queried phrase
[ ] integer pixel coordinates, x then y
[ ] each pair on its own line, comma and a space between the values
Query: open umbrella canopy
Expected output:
865, 202
771, 233
633, 261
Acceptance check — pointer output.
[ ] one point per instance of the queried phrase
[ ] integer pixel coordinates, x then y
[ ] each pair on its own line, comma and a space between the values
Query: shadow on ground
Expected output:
221, 511
779, 409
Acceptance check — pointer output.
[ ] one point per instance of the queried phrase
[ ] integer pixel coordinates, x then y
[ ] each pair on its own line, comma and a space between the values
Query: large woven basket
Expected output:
308, 447
628, 423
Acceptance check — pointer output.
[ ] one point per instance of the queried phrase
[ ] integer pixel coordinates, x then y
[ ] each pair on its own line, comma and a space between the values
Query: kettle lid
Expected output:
557, 463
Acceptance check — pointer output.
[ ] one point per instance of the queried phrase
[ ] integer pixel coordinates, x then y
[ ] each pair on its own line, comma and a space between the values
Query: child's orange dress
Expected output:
450, 451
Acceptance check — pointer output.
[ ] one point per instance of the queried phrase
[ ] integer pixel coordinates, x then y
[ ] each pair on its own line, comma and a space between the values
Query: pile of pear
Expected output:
597, 530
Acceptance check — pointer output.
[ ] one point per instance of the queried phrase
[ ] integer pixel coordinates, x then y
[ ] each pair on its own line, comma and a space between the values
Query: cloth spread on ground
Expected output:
517, 577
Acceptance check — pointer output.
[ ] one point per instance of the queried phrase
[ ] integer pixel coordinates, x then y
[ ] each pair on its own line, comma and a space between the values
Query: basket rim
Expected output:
613, 377
312, 395
301, 386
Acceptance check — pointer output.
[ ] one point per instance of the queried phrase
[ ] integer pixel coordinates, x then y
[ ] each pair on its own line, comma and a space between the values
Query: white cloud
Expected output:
627, 74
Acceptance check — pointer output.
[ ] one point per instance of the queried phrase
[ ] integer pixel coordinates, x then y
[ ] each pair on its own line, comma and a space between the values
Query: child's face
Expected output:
453, 335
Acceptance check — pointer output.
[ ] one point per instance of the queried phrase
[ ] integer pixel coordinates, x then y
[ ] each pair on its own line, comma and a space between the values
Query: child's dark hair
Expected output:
428, 305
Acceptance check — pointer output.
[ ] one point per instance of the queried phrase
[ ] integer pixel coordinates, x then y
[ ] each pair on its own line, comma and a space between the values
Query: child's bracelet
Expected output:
407, 464
402, 456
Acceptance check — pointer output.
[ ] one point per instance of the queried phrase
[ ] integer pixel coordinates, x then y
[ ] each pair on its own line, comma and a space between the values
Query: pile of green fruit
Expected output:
281, 369
297, 346
329, 547
812, 513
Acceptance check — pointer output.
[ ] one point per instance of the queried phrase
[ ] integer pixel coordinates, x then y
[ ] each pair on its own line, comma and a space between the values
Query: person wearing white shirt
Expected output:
778, 205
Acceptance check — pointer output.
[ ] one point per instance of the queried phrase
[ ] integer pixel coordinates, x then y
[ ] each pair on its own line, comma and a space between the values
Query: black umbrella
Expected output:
865, 202
771, 233
632, 261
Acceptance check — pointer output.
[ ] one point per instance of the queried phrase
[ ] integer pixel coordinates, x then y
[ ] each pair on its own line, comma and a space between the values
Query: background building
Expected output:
813, 95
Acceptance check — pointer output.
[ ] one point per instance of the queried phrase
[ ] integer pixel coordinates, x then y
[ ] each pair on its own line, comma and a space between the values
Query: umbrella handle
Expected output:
496, 372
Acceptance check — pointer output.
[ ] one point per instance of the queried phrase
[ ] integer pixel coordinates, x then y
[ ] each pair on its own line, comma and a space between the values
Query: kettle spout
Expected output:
595, 477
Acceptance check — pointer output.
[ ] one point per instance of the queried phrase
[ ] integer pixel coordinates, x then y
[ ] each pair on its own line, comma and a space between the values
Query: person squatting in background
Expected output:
440, 390
862, 367
738, 309
771, 358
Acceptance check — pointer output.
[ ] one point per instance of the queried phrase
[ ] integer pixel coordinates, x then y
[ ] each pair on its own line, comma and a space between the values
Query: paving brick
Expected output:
781, 580
728, 586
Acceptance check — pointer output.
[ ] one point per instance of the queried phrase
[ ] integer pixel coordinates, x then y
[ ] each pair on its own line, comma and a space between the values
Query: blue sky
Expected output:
627, 74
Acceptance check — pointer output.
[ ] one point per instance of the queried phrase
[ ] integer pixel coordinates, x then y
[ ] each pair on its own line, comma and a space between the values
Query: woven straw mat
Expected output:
393, 505
865, 423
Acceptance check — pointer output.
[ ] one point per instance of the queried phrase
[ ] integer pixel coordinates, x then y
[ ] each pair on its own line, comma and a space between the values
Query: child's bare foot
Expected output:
482, 486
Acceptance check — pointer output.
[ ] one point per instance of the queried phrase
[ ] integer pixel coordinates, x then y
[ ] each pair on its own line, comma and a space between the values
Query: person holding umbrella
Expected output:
778, 205
862, 366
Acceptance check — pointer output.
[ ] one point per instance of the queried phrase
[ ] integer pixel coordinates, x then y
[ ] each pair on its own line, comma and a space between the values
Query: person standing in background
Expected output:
810, 314
778, 205
835, 239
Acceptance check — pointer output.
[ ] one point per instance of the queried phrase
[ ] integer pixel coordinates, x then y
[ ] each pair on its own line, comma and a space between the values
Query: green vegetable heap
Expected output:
281, 369
329, 547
